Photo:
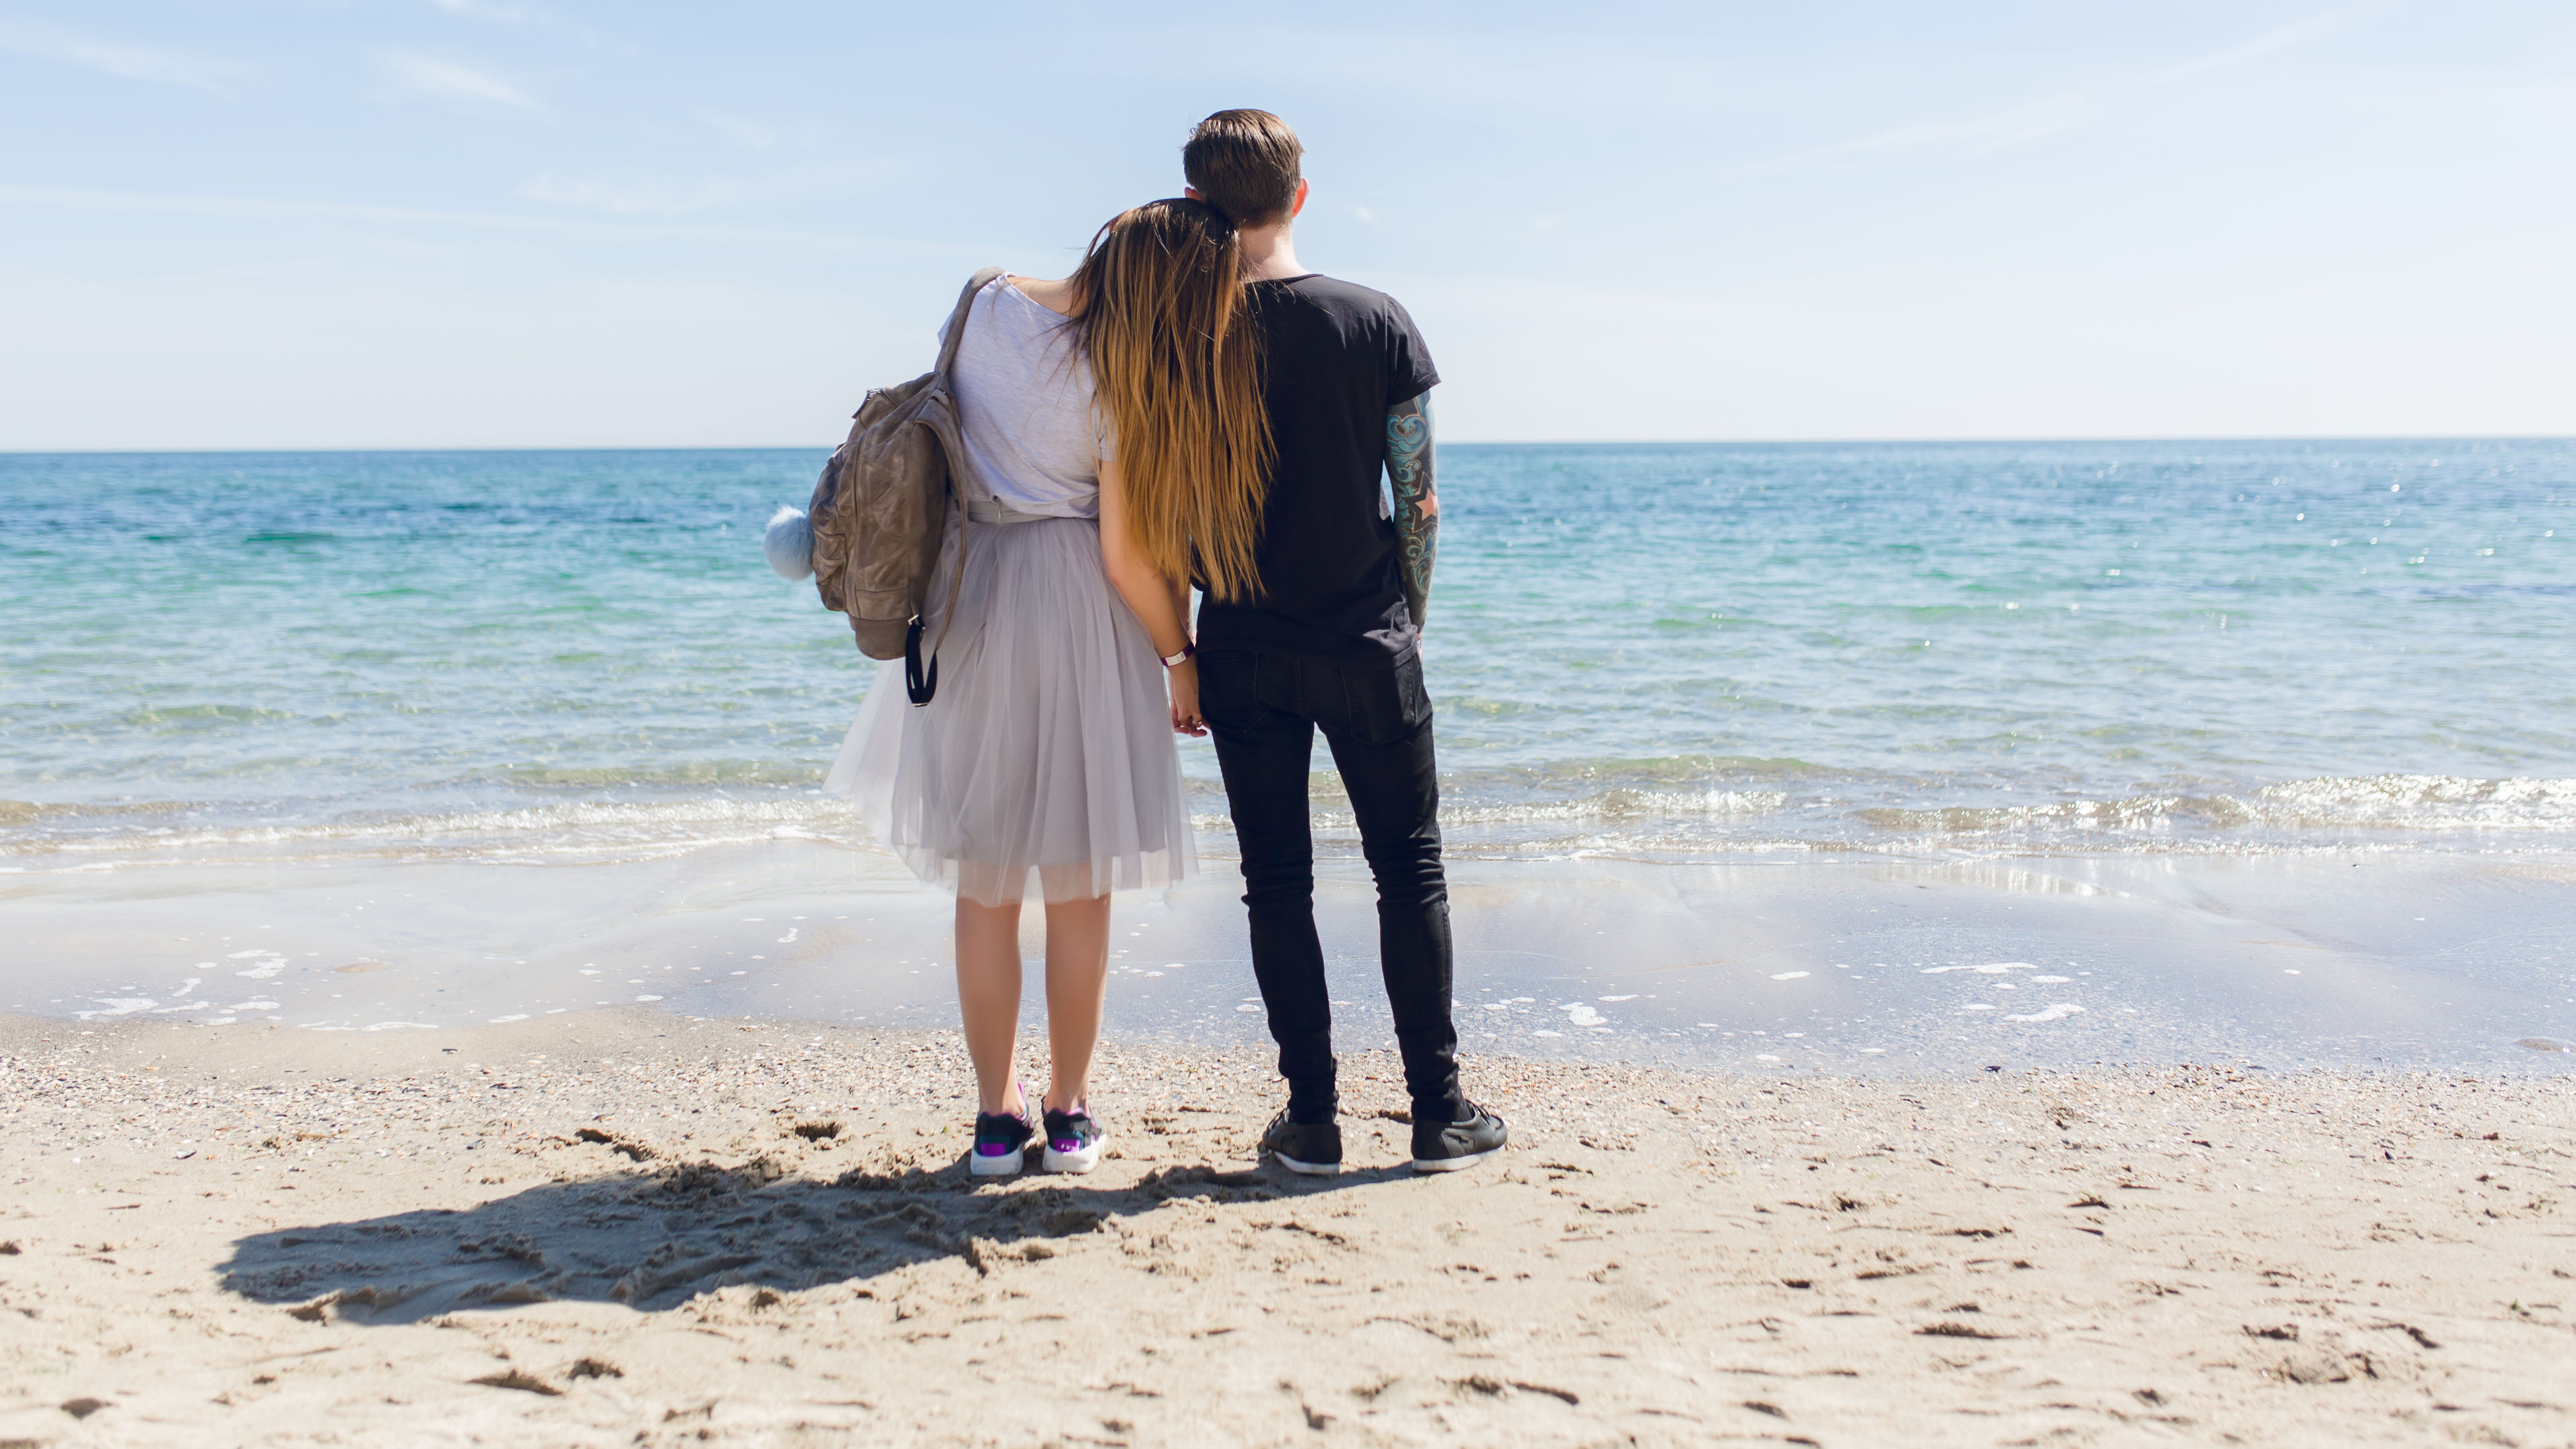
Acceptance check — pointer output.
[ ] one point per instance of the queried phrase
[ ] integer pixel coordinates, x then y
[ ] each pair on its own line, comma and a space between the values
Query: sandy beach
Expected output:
626, 1228
1949, 632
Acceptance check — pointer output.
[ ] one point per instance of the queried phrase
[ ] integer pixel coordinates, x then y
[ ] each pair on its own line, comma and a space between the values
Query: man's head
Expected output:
1245, 164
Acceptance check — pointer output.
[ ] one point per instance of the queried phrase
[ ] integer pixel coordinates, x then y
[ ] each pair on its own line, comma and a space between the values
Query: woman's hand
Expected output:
1186, 719
1159, 603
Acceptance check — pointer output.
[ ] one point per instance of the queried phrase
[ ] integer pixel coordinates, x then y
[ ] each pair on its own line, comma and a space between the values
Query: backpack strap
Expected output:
957, 318
920, 680
969, 488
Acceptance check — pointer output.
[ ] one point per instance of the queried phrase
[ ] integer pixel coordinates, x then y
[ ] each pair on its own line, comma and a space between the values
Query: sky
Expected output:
483, 223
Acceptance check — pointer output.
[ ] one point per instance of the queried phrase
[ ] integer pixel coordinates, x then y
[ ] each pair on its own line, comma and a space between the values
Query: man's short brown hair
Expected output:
1245, 164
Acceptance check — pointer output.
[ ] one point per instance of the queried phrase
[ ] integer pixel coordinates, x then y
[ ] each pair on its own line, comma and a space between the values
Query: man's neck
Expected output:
1270, 253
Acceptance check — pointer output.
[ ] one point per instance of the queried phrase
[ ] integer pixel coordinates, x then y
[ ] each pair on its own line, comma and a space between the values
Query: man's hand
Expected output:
1417, 503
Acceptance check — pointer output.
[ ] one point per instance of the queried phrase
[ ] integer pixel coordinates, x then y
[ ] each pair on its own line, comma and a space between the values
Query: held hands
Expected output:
1184, 679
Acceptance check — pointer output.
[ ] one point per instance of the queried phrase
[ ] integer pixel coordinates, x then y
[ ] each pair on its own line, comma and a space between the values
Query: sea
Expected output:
226, 676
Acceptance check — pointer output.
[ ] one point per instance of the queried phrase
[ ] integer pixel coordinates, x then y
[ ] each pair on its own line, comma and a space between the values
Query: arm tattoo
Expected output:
1417, 503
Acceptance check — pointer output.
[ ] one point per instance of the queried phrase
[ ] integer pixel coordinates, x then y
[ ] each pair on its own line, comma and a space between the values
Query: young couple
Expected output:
1190, 406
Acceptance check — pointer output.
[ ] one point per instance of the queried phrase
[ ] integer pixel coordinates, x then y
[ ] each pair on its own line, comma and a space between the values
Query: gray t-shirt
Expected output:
1024, 406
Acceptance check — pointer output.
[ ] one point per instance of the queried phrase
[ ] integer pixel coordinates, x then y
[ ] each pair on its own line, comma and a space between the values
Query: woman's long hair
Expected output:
1177, 371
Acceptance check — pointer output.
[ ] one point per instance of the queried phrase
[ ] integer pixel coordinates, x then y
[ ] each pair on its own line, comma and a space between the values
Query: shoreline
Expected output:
1907, 968
608, 1228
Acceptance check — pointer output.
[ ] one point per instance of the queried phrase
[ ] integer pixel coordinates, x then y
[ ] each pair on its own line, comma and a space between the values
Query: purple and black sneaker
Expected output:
1072, 1141
1001, 1141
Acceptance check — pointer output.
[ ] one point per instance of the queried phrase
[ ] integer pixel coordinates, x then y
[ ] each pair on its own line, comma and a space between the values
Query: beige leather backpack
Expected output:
882, 508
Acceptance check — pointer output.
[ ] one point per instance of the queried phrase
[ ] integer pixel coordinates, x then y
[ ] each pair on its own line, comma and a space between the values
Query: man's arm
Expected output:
1417, 503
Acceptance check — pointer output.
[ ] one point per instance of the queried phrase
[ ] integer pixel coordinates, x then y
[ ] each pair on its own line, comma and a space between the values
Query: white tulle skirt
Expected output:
1045, 760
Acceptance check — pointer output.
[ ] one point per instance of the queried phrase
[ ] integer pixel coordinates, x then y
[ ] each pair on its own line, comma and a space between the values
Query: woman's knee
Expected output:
1080, 908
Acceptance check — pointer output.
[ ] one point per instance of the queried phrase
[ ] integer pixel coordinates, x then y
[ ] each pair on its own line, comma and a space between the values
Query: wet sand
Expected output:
617, 1227
1922, 968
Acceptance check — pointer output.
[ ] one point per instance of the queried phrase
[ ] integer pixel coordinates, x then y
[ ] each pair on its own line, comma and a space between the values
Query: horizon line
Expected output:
2176, 439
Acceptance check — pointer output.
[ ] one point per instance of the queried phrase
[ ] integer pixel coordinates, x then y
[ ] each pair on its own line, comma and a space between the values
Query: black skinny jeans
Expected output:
1263, 708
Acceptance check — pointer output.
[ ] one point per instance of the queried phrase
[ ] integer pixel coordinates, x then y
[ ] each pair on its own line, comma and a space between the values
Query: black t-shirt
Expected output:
1335, 358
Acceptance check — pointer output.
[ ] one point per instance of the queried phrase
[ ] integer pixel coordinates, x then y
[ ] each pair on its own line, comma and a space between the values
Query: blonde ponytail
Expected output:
1177, 372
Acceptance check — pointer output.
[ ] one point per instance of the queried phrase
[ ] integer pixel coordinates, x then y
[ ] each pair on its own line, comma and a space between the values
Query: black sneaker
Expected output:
1313, 1148
1073, 1141
1001, 1142
1459, 1144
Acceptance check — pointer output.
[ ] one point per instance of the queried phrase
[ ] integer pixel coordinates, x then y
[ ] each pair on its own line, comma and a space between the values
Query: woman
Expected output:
1115, 418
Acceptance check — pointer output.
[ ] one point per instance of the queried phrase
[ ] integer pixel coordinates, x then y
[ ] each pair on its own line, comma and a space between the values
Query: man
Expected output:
1330, 643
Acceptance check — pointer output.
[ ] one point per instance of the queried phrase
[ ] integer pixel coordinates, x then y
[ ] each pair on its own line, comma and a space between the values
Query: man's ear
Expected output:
1299, 204
1192, 193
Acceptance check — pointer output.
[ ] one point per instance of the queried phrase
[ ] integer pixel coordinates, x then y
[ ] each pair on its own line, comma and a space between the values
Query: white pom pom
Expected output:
790, 544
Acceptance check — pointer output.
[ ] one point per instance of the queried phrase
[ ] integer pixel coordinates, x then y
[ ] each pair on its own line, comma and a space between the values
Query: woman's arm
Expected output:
1154, 599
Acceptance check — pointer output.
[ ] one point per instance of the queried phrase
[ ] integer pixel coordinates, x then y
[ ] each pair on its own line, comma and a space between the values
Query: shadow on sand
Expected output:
654, 1239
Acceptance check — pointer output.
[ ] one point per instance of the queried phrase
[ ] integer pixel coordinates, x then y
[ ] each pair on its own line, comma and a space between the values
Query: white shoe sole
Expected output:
1310, 1169
1076, 1163
1451, 1164
1009, 1165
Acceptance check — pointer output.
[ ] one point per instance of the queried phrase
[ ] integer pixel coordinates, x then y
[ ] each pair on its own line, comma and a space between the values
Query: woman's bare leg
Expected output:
1077, 987
988, 995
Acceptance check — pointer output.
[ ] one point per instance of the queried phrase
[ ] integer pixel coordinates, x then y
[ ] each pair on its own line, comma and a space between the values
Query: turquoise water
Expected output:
1667, 652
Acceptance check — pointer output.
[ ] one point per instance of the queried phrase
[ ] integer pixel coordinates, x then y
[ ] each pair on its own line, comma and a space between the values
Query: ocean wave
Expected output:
2441, 804
13, 812
2142, 812
710, 772
1614, 804
556, 831
2421, 802
1496, 814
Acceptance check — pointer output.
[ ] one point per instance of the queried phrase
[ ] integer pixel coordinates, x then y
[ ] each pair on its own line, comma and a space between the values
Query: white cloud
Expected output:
431, 76
481, 11
634, 196
132, 62
635, 193
744, 133
260, 208
2049, 115
2281, 38
2028, 122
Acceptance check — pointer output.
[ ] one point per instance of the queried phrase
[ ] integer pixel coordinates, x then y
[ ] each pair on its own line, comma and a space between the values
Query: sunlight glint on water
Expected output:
1662, 651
